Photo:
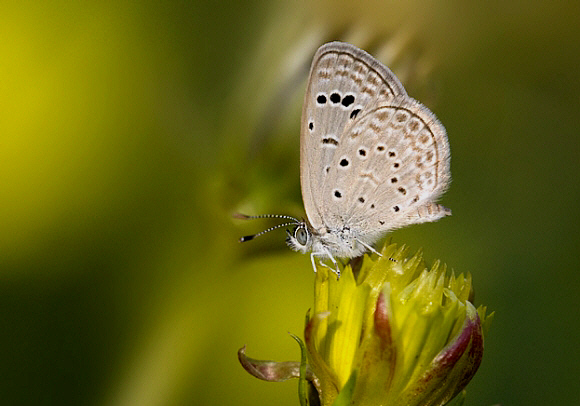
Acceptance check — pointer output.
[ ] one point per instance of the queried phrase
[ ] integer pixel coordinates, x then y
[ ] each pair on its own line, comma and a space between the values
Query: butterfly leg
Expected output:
312, 260
336, 270
368, 247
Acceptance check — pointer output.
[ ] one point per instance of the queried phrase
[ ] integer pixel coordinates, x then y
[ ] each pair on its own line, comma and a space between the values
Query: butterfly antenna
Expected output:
294, 222
264, 216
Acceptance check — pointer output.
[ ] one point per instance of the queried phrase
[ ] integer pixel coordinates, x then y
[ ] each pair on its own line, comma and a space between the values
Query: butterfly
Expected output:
372, 159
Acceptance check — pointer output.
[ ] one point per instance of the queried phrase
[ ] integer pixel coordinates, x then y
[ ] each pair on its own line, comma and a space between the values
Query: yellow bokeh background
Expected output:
130, 132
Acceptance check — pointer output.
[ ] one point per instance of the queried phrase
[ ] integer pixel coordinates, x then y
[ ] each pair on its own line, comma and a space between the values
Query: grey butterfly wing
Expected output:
392, 164
345, 82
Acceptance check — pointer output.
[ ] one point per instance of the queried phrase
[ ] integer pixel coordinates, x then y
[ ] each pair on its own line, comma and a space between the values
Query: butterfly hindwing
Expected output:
392, 165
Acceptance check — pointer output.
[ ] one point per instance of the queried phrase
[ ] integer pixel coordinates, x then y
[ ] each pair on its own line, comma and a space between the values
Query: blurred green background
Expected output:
130, 131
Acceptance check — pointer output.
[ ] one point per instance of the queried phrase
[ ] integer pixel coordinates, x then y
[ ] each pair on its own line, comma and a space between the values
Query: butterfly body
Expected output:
329, 243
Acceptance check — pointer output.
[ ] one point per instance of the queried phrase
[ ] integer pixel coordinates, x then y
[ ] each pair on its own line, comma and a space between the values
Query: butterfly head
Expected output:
300, 239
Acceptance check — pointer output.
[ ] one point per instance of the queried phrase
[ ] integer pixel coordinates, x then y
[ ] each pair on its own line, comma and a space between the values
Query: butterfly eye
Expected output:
301, 235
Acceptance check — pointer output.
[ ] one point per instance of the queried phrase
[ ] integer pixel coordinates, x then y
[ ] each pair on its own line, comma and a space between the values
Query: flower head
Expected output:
392, 332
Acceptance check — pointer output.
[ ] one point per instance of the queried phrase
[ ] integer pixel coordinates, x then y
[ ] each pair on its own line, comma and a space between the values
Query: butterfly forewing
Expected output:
345, 84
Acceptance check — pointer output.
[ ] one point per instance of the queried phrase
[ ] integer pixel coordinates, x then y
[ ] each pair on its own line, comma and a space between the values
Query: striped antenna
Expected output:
294, 222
